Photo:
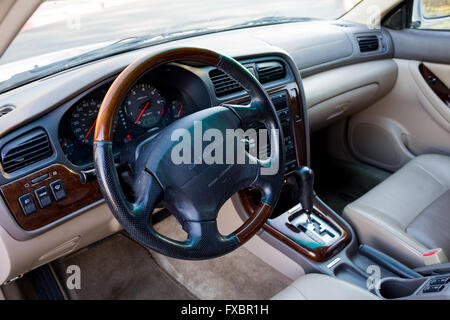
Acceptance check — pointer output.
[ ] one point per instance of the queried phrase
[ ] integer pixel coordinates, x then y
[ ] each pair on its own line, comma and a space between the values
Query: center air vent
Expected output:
223, 83
265, 72
25, 150
368, 43
270, 71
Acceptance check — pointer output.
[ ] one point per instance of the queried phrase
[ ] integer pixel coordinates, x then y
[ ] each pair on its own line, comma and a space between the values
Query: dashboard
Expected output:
149, 107
59, 113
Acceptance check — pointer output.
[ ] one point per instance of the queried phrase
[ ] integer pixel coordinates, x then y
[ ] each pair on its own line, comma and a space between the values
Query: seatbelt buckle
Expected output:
434, 256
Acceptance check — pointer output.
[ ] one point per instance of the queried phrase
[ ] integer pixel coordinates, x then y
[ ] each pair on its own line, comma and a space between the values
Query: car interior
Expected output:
359, 208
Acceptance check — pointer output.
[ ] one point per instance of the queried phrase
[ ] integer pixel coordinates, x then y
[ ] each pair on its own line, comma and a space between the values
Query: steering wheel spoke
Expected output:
249, 113
147, 193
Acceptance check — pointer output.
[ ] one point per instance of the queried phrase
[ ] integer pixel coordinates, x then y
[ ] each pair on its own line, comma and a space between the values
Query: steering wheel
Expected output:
192, 192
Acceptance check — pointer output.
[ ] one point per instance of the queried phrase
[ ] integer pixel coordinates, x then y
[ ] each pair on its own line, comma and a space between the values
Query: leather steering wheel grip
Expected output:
204, 240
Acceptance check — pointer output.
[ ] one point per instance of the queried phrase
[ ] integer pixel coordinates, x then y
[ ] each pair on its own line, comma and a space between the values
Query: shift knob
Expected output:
305, 181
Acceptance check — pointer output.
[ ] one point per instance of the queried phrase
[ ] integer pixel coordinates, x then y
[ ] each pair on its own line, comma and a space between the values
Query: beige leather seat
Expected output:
409, 213
322, 287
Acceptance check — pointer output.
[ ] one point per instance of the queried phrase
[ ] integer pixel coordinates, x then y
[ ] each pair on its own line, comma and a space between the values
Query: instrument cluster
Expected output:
146, 109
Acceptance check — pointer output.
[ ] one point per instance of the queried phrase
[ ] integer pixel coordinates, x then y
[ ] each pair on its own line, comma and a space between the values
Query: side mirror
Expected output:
431, 14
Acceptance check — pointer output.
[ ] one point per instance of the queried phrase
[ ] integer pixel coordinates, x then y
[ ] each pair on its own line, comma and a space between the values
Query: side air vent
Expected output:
270, 71
25, 150
5, 109
368, 43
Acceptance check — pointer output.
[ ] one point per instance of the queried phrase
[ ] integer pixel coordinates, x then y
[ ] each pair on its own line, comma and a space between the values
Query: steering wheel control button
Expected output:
43, 197
58, 190
27, 203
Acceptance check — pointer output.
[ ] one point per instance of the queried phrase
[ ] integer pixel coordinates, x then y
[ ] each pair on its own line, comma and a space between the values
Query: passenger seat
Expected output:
409, 213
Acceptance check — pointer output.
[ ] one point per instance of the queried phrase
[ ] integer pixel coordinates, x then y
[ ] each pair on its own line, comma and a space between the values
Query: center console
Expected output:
316, 233
424, 288
304, 228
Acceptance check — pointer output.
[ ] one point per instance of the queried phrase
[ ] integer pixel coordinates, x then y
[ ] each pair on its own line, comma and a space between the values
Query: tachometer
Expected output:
83, 120
144, 105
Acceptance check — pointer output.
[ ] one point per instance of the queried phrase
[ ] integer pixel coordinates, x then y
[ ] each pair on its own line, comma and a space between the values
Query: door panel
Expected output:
422, 45
409, 121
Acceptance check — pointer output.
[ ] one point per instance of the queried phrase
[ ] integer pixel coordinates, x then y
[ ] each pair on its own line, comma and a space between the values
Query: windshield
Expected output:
63, 29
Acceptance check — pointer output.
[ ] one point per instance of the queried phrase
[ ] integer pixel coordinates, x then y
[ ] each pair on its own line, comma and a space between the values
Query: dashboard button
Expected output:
43, 197
40, 179
27, 203
58, 190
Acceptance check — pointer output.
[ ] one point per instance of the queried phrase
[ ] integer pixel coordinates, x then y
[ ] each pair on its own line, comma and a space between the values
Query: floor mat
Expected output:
340, 182
237, 275
119, 268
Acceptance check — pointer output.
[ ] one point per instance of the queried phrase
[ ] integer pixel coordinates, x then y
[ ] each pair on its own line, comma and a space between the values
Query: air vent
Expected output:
270, 71
5, 109
223, 83
368, 43
25, 150
266, 72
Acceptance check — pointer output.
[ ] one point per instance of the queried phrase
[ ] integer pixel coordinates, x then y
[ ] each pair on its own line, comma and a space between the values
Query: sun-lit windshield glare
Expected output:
61, 29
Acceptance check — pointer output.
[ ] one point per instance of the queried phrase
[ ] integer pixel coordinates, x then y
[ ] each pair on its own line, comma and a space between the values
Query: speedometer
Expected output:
144, 105
83, 120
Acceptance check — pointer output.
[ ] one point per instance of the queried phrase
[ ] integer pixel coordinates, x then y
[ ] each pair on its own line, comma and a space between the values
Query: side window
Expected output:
431, 14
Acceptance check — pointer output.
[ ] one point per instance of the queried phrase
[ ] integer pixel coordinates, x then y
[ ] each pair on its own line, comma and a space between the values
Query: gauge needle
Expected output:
145, 107
89, 132
179, 111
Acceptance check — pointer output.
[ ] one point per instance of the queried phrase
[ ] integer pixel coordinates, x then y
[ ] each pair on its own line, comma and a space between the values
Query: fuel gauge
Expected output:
176, 109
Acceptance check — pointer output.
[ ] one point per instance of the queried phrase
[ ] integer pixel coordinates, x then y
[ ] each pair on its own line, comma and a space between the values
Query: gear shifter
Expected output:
305, 181
304, 225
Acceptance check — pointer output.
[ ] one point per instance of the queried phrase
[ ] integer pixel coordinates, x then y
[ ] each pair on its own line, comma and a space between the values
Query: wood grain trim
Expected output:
128, 77
438, 87
254, 223
318, 254
78, 196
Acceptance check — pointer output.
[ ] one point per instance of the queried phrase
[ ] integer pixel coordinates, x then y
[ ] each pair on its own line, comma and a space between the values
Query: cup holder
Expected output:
397, 288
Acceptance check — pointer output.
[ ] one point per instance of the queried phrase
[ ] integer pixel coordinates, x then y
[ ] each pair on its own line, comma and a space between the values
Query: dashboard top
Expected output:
311, 47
